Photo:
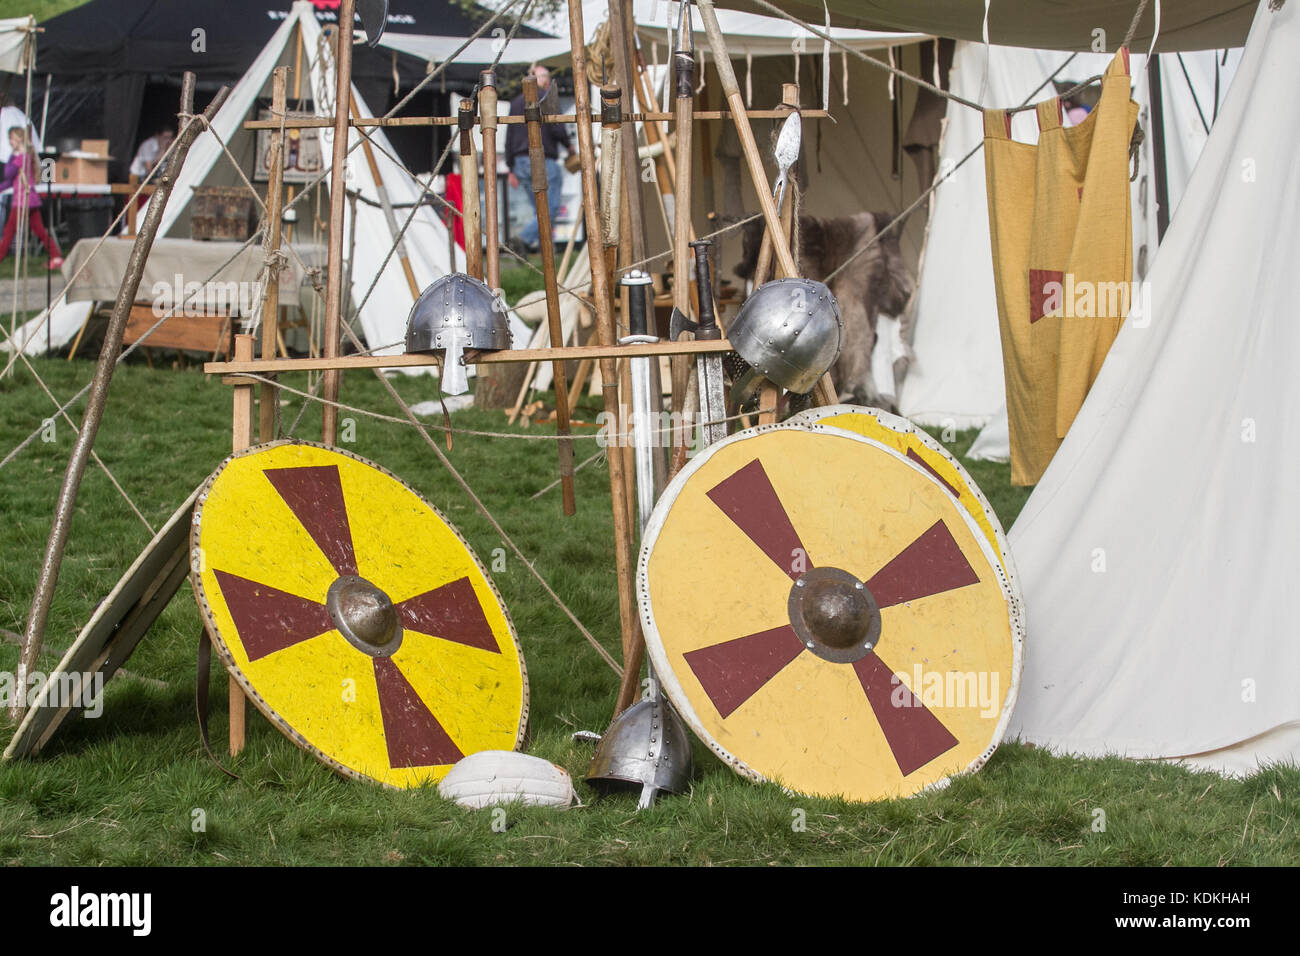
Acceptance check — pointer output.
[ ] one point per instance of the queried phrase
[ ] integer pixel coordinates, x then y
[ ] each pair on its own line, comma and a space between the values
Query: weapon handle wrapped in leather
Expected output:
465, 123
611, 106
707, 327
611, 163
685, 69
684, 55
536, 153
637, 284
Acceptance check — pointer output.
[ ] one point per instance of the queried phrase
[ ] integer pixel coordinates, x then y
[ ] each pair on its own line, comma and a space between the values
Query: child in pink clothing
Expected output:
21, 172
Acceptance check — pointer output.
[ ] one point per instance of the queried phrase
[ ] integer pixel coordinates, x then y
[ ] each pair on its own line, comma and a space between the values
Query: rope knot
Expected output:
274, 261
314, 277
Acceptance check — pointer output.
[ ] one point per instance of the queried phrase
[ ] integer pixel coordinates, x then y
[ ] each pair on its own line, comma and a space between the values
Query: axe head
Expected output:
374, 17
678, 323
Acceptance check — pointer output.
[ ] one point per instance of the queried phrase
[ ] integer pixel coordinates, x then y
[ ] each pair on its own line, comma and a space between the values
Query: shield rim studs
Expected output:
1003, 575
378, 652
901, 426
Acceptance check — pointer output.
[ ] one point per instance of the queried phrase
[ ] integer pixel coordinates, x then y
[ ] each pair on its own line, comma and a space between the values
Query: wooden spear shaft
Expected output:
391, 217
621, 27
645, 94
722, 63
684, 79
620, 37
623, 542
270, 395
789, 101
98, 397
338, 187
487, 111
684, 66
470, 215
537, 166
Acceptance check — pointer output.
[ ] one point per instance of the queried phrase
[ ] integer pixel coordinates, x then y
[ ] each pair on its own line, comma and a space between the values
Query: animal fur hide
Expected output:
876, 282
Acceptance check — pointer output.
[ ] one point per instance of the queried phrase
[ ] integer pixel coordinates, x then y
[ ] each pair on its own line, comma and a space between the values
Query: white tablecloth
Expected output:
177, 268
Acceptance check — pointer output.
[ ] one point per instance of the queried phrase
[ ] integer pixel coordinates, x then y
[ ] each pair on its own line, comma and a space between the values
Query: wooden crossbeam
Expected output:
321, 122
573, 352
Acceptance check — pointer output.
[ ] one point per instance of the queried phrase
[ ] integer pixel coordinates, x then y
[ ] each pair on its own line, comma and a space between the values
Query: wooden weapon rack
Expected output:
247, 424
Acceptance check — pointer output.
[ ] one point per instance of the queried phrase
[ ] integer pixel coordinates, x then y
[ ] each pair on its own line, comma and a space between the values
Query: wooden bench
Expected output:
211, 333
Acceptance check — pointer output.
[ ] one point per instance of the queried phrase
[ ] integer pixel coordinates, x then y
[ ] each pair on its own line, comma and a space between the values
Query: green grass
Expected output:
43, 9
123, 789
34, 267
518, 280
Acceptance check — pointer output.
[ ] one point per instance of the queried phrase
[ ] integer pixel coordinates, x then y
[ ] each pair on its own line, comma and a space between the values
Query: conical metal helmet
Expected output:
790, 330
647, 746
457, 310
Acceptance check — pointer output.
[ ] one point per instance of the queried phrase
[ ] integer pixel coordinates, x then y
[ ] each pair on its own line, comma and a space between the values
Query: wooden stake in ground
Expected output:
98, 397
241, 437
338, 187
537, 166
623, 542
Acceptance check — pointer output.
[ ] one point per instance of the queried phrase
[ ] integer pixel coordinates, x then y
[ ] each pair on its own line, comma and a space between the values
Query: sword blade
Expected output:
713, 399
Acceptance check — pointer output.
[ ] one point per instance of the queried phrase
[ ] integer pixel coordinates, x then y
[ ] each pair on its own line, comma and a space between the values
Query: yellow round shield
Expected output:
908, 439
354, 615
824, 614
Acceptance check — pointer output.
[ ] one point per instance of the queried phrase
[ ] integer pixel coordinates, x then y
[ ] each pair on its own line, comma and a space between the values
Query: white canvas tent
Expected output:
383, 317
17, 55
17, 43
957, 379
745, 33
1159, 554
847, 159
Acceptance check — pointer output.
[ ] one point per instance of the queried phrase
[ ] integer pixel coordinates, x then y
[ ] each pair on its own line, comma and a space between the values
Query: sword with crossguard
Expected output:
708, 367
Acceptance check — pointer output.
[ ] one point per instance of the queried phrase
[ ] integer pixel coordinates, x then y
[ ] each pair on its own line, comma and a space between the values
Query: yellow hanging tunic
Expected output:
1061, 231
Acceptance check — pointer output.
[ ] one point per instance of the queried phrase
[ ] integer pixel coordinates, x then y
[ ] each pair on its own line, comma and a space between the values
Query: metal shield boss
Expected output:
825, 614
789, 330
354, 615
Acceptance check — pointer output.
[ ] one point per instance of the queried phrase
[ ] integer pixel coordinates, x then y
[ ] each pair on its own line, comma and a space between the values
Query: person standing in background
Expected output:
554, 135
151, 151
10, 116
454, 196
22, 172
147, 156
